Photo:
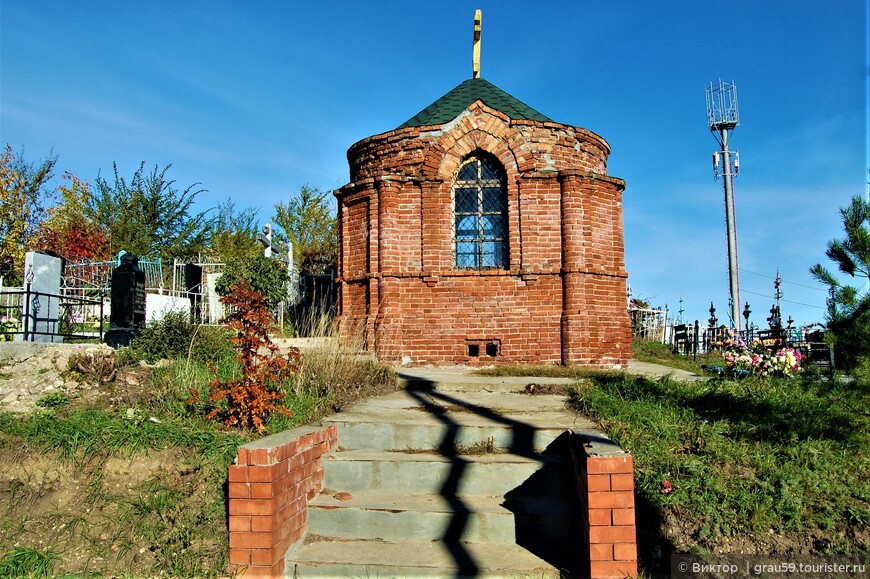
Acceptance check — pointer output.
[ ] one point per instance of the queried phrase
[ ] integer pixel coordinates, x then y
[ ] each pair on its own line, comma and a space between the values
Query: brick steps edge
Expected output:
605, 484
270, 485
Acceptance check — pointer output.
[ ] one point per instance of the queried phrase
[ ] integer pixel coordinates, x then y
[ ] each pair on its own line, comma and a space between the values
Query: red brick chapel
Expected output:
482, 232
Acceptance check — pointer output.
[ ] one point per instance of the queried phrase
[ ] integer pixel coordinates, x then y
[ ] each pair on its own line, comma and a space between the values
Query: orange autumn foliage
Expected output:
249, 399
67, 231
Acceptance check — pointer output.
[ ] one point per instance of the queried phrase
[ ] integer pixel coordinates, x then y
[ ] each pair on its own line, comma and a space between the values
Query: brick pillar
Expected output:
375, 263
269, 489
339, 258
388, 321
352, 311
382, 219
596, 330
605, 484
611, 516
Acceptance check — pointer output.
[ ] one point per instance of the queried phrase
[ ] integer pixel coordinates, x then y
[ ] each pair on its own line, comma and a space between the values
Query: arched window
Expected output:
480, 215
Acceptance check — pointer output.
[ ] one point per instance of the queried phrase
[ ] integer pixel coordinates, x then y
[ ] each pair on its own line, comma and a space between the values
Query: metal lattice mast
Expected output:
722, 117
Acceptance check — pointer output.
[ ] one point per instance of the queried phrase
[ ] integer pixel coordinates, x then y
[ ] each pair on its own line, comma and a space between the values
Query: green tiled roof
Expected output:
460, 98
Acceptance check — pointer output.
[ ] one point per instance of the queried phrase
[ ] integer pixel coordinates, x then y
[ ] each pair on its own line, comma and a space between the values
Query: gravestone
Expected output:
158, 306
128, 302
42, 302
215, 307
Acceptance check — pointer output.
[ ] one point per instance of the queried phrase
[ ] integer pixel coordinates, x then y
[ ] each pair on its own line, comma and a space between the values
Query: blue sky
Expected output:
255, 99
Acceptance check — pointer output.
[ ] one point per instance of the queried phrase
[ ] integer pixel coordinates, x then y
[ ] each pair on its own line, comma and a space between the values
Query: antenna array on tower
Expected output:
722, 106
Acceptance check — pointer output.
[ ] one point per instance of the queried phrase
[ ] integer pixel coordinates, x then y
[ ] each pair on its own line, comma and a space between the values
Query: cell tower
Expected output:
722, 117
775, 318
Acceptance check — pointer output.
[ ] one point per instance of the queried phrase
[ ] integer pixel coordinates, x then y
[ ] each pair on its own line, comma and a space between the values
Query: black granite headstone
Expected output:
128, 302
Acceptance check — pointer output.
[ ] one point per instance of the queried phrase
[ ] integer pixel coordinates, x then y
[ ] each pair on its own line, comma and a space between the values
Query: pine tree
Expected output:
849, 306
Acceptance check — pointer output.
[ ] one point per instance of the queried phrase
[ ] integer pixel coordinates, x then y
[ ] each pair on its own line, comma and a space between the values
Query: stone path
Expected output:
657, 371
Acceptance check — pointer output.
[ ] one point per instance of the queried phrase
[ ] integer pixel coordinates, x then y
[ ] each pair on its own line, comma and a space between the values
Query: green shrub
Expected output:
176, 336
126, 356
53, 400
166, 338
264, 275
212, 343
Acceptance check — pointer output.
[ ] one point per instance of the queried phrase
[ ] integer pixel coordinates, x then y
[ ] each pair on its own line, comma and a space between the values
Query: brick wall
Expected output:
605, 484
562, 298
269, 489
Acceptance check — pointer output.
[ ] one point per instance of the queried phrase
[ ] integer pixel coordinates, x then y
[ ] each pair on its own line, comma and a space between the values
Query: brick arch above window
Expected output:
480, 216
486, 130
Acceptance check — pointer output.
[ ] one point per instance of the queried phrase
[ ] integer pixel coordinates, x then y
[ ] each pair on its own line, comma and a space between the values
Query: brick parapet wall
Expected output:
270, 485
605, 484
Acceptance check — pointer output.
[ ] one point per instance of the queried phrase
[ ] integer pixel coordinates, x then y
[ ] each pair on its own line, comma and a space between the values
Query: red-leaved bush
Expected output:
249, 399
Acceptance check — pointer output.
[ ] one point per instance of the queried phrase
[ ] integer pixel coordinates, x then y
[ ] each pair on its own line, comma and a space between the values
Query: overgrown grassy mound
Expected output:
126, 477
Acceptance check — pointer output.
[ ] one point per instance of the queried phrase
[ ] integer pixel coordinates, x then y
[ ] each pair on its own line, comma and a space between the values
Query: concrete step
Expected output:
330, 557
420, 420
419, 430
398, 517
422, 473
402, 437
459, 380
455, 476
497, 402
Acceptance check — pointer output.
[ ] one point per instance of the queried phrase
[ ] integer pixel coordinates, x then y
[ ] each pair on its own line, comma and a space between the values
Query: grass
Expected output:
775, 466
658, 353
86, 433
538, 371
643, 350
130, 479
27, 562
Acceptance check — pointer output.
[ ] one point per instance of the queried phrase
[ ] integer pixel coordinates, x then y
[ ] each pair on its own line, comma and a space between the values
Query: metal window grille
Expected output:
480, 216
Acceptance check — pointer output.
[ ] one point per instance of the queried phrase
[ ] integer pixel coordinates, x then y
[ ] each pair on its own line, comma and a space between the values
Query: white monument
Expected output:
40, 318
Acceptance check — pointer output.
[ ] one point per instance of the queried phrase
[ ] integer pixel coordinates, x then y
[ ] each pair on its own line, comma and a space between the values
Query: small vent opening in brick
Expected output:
492, 349
473, 350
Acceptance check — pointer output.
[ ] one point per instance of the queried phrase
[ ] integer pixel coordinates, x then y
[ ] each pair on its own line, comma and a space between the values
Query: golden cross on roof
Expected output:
475, 52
